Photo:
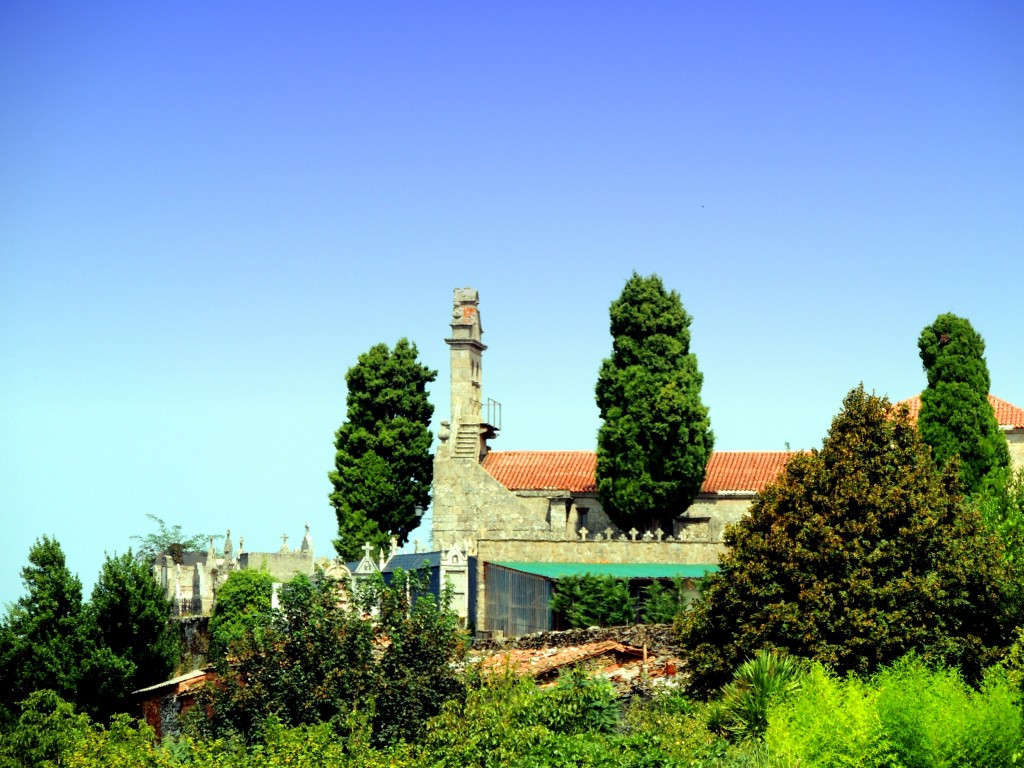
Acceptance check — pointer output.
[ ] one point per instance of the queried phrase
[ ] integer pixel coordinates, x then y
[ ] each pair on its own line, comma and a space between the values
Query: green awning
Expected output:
619, 570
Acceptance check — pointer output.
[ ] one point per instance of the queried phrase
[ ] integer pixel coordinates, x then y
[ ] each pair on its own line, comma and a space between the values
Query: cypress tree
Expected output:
655, 440
383, 465
956, 417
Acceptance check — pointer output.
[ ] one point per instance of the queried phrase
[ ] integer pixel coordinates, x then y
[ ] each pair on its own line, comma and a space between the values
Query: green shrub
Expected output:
588, 600
661, 605
907, 715
742, 710
579, 703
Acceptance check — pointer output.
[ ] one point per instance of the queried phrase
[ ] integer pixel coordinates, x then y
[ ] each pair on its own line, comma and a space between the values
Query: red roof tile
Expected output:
1007, 414
574, 471
544, 470
743, 470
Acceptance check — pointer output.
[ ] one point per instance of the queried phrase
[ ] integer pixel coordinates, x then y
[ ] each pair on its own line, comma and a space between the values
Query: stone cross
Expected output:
608, 533
367, 547
658, 533
583, 533
284, 542
633, 533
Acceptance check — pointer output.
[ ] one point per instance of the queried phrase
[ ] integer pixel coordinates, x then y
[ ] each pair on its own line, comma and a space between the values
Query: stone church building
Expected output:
522, 512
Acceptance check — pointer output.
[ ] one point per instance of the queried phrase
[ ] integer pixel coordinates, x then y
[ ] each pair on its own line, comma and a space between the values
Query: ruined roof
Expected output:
574, 471
1008, 415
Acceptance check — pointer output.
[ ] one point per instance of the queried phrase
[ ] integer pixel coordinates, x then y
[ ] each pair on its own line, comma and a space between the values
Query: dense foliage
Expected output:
907, 714
605, 601
956, 416
383, 466
91, 654
855, 555
132, 620
242, 608
655, 438
315, 660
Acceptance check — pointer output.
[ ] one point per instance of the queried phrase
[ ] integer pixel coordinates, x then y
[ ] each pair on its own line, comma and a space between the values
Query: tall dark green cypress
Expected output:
383, 467
655, 440
956, 416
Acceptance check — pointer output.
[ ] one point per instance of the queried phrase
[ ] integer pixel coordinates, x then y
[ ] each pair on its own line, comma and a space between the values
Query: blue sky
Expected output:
207, 211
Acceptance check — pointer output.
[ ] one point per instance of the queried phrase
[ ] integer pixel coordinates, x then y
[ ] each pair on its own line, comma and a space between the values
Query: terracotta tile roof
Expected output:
573, 471
1007, 414
743, 470
544, 470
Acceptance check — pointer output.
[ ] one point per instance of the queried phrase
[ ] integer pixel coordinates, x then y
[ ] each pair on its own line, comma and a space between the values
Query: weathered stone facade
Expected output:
192, 582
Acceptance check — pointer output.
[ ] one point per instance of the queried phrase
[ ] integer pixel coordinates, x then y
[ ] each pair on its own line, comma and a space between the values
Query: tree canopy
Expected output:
318, 660
858, 553
956, 416
655, 439
132, 617
243, 604
383, 465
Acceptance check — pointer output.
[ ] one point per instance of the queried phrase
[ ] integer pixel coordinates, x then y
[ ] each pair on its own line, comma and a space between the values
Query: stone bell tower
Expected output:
470, 426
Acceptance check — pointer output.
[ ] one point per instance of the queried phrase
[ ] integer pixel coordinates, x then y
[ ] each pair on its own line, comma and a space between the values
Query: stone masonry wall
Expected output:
1015, 442
469, 505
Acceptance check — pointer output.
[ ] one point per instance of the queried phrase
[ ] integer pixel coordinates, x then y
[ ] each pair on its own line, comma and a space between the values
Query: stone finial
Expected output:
227, 545
633, 533
394, 547
445, 431
307, 542
241, 545
658, 533
648, 536
380, 558
211, 555
583, 533
367, 547
284, 543
416, 546
608, 533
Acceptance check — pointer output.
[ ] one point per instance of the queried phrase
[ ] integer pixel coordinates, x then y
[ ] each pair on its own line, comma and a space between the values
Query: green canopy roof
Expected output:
619, 570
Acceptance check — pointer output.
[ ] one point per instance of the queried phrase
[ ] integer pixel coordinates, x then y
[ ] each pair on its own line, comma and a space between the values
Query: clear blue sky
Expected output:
207, 211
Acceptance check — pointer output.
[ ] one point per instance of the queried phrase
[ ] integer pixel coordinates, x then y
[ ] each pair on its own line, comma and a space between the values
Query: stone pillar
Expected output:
466, 368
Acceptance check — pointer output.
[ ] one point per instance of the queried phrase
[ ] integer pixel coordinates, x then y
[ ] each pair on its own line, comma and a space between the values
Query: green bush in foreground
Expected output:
906, 715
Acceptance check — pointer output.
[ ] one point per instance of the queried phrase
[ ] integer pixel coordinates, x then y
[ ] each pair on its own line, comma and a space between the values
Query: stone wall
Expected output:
469, 504
1015, 442
283, 566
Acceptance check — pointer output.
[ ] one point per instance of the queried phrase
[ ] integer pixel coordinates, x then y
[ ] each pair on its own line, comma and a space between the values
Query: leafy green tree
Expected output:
956, 416
45, 733
132, 616
383, 466
242, 608
855, 555
171, 541
417, 669
593, 601
662, 604
309, 662
655, 440
317, 660
44, 639
1001, 503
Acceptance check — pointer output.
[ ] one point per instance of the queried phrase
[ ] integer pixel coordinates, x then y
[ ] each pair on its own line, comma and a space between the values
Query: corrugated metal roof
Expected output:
618, 570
